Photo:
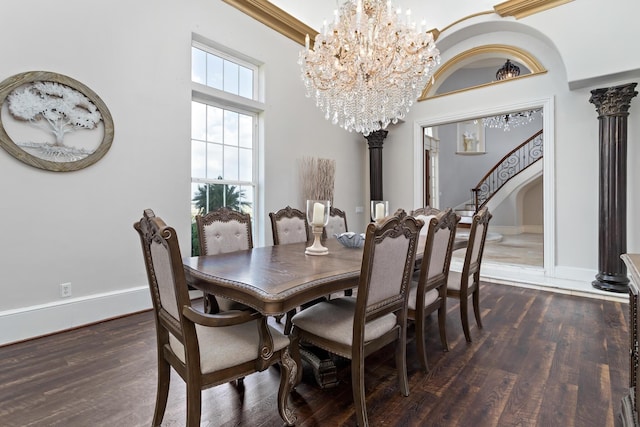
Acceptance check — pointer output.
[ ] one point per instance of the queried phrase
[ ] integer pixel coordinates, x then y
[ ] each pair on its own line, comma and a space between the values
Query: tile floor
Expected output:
519, 249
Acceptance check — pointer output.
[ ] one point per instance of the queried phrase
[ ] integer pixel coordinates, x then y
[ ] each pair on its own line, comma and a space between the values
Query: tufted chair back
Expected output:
289, 225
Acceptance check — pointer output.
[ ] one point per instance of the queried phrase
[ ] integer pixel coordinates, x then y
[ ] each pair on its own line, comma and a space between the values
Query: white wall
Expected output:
77, 227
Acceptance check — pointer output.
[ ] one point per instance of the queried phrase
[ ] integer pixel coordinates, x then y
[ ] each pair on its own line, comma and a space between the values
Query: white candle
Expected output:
379, 211
306, 42
318, 214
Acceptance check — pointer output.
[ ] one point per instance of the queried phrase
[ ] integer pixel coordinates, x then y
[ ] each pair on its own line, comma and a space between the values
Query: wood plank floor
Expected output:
542, 359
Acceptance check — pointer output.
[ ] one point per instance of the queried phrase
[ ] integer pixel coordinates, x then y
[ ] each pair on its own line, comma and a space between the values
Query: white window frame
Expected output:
232, 102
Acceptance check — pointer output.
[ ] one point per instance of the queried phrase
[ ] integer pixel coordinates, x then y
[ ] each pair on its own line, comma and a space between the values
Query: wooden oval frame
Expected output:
11, 83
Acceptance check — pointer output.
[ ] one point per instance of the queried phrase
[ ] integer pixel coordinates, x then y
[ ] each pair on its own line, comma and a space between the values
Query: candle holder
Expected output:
318, 217
379, 210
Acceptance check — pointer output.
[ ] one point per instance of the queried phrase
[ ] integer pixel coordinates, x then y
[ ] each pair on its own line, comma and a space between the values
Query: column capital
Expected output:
613, 101
376, 138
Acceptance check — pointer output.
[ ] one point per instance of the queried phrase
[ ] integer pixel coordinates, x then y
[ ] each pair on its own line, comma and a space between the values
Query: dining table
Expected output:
275, 280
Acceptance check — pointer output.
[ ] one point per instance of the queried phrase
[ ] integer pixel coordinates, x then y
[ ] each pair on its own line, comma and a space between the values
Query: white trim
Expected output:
37, 320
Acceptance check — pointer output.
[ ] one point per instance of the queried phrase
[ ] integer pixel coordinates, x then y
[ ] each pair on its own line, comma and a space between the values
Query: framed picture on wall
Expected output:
53, 122
470, 137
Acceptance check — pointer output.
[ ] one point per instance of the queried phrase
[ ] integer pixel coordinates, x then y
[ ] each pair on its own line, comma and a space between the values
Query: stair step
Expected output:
464, 213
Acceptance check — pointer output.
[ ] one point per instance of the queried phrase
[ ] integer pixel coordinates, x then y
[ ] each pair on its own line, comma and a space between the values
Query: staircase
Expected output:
512, 164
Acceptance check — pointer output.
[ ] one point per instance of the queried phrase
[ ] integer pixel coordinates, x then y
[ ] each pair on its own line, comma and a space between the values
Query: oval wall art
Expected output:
53, 122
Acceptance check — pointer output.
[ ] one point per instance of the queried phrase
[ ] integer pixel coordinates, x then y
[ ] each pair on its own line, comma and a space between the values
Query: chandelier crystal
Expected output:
508, 121
368, 66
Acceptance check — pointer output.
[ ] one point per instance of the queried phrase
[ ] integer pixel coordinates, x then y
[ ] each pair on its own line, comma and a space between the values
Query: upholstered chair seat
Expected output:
228, 346
333, 320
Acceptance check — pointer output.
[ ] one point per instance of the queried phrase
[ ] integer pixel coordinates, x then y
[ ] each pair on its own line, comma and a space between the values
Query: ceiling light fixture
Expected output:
508, 121
368, 66
508, 71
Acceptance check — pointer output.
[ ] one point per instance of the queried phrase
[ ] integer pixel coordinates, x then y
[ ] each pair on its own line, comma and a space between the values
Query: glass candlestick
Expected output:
379, 210
318, 217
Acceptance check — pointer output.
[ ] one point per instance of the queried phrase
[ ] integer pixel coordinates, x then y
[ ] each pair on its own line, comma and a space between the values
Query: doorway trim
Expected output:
548, 159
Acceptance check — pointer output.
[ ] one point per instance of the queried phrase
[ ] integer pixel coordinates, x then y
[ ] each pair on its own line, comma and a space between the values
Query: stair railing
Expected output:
511, 165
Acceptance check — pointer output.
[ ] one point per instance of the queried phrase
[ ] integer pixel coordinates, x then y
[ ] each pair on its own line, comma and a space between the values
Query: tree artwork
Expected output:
53, 107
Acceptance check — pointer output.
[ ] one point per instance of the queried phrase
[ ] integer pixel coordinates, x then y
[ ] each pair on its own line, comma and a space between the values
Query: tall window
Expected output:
223, 133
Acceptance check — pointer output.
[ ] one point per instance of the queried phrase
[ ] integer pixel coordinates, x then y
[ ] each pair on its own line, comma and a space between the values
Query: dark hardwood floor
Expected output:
542, 359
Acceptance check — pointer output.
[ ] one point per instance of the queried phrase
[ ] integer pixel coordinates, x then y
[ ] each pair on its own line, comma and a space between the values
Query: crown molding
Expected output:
521, 8
275, 18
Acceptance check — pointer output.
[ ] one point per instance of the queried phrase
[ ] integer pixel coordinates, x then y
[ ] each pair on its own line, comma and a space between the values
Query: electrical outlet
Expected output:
65, 290
359, 209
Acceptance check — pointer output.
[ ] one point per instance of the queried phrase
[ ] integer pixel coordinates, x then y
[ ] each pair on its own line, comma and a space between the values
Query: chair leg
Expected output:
288, 373
162, 393
476, 306
287, 323
194, 403
464, 316
420, 338
442, 324
401, 362
357, 384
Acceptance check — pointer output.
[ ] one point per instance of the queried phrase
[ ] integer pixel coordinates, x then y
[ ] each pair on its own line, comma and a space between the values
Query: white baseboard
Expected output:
512, 230
565, 280
34, 321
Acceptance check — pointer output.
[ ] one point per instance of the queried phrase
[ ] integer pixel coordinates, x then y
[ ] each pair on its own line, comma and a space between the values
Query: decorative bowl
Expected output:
351, 239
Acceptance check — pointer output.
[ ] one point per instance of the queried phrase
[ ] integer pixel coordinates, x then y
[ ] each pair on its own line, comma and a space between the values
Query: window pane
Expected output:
245, 165
231, 163
198, 159
215, 76
246, 82
231, 128
245, 129
198, 65
198, 120
231, 77
214, 161
214, 124
247, 199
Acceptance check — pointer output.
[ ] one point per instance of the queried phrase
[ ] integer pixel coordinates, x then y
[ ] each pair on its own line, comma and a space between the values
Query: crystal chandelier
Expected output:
508, 121
368, 66
508, 71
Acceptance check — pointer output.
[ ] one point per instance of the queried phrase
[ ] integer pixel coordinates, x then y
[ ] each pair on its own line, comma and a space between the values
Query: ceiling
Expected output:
436, 13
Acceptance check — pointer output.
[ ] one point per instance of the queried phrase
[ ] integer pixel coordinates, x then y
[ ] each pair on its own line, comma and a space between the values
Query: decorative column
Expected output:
375, 140
612, 105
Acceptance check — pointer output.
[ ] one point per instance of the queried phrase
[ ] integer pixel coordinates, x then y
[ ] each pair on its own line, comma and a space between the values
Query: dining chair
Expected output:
466, 283
425, 211
204, 349
337, 223
221, 231
429, 292
289, 225
354, 327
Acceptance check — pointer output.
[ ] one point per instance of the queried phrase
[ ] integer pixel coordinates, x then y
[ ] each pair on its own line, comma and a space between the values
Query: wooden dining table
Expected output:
275, 280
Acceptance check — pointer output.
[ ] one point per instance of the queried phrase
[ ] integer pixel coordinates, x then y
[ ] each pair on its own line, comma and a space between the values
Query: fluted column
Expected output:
612, 105
375, 140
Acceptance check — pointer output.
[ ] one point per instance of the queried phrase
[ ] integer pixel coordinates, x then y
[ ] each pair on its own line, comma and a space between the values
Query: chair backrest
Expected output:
289, 225
167, 281
337, 223
426, 211
438, 249
387, 264
475, 246
224, 230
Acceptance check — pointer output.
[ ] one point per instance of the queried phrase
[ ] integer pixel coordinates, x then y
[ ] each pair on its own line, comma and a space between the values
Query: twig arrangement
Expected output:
317, 176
